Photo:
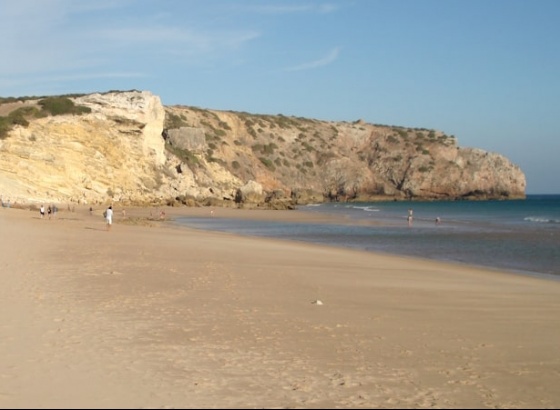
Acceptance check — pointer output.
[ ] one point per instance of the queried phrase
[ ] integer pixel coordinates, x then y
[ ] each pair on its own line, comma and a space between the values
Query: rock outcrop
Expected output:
127, 147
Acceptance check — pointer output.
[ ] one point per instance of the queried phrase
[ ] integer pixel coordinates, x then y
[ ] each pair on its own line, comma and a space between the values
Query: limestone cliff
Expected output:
127, 147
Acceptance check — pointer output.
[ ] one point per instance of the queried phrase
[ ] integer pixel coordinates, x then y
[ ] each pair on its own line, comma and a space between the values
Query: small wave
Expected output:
366, 208
541, 219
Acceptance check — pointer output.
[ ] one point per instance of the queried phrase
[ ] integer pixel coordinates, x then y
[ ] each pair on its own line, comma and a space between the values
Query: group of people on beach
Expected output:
51, 211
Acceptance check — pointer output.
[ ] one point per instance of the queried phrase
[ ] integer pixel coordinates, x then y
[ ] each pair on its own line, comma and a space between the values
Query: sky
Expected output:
484, 71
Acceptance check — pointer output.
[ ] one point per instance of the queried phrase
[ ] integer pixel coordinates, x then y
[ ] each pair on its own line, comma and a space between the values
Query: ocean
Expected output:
520, 236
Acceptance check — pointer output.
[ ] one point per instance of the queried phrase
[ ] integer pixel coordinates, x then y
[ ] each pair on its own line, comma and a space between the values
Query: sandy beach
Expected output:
151, 315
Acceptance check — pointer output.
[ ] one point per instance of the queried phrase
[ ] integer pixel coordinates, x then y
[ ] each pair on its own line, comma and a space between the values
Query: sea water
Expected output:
520, 236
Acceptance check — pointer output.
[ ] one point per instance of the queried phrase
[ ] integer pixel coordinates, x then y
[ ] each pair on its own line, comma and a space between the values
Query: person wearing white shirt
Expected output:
109, 217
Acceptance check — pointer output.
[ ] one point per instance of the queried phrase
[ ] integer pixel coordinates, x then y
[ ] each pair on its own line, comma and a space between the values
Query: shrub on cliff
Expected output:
62, 106
17, 117
5, 126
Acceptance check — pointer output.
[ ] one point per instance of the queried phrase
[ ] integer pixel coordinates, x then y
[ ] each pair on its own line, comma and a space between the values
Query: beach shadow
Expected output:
95, 229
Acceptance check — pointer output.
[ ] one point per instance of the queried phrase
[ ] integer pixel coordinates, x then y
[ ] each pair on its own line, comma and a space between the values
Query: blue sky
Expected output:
485, 71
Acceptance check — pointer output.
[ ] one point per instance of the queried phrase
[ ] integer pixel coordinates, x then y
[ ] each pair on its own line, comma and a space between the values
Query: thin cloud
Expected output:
48, 40
69, 78
289, 9
169, 37
59, 48
92, 76
327, 8
331, 57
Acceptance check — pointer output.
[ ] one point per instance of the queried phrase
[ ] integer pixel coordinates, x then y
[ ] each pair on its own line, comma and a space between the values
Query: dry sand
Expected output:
149, 315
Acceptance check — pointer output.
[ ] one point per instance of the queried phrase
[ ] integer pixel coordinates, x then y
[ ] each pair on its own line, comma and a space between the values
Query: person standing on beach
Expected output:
109, 217
42, 211
409, 218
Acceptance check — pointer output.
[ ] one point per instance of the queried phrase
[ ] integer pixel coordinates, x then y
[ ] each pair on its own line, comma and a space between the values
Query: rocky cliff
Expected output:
127, 147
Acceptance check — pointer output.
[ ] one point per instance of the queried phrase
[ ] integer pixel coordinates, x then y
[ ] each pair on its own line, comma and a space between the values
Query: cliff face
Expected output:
129, 148
88, 158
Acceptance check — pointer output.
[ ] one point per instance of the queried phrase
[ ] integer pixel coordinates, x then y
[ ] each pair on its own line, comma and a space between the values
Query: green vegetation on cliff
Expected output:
60, 105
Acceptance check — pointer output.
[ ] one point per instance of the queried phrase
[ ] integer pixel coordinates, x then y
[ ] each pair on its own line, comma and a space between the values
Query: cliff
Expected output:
127, 147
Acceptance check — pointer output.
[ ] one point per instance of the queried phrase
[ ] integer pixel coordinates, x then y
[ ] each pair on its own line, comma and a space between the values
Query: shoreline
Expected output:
151, 315
308, 217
